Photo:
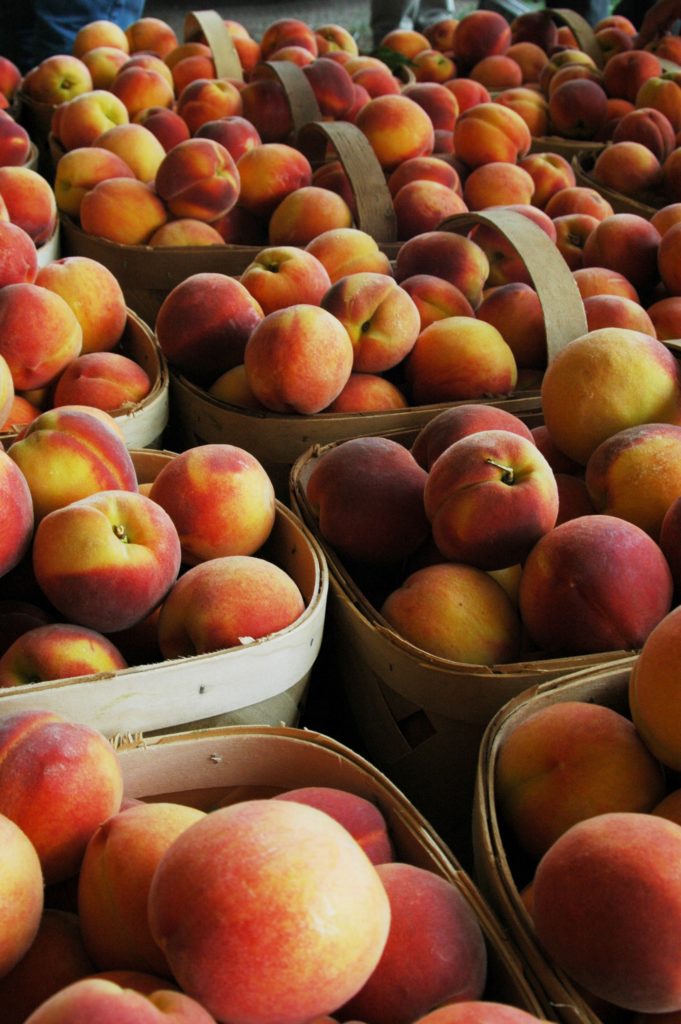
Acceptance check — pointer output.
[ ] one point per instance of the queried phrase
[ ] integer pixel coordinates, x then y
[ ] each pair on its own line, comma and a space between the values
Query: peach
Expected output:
185, 231
621, 359
332, 86
478, 1012
479, 34
426, 911
537, 26
497, 183
345, 251
39, 334
98, 999
151, 34
198, 178
459, 358
79, 170
397, 129
104, 62
75, 784
16, 500
123, 210
15, 143
279, 276
168, 127
550, 172
220, 499
435, 298
578, 199
616, 311
137, 147
603, 281
137, 88
10, 78
421, 206
452, 257
205, 99
455, 611
298, 359
515, 311
666, 217
21, 894
628, 243
424, 168
7, 393
332, 37
203, 325
572, 231
30, 202
489, 497
567, 762
233, 132
114, 880
56, 958
625, 72
665, 315
107, 560
58, 650
605, 880
251, 844
106, 380
530, 58
331, 175
467, 92
68, 453
193, 48
367, 392
363, 820
633, 474
99, 32
191, 68
21, 412
449, 426
652, 683
268, 173
306, 213
287, 32
571, 71
87, 116
496, 72
440, 33
648, 126
149, 62
584, 567
562, 57
664, 95
57, 79
381, 319
490, 132
578, 109
667, 260
408, 42
438, 102
232, 387
530, 104
368, 493
18, 255
376, 81
216, 604
264, 103
628, 167
433, 66
573, 498
95, 296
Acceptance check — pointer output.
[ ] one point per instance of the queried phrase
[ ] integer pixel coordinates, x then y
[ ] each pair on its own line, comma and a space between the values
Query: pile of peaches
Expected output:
286, 905
588, 800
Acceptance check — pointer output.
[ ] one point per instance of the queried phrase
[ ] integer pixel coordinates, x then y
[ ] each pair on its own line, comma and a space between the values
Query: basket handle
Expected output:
297, 89
552, 279
582, 31
375, 211
211, 26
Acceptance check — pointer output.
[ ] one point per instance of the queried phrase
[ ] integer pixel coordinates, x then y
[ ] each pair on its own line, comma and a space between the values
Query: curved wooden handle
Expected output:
211, 25
299, 93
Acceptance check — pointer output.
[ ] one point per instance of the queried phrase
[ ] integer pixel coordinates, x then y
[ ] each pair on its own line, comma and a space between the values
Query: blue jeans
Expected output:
31, 30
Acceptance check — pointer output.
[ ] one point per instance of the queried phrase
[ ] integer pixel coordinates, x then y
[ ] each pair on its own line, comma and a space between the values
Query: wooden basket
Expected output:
143, 422
36, 117
421, 717
202, 767
497, 865
277, 440
264, 682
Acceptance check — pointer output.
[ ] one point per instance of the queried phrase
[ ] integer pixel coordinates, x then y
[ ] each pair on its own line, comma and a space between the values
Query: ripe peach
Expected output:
104, 63
516, 312
21, 893
332, 86
567, 762
192, 68
433, 66
114, 880
664, 95
550, 172
216, 604
628, 243
621, 359
530, 58
490, 131
264, 103
652, 682
220, 499
107, 560
667, 259
206, 99
595, 883
666, 217
497, 183
287, 32
281, 275
137, 146
363, 820
298, 359
603, 281
203, 325
16, 500
21, 412
408, 42
268, 173
478, 1012
578, 109
185, 231
30, 202
572, 231
459, 358
530, 104
198, 178
578, 199
39, 334
85, 117
665, 315
629, 167
583, 567
75, 784
467, 92
168, 127
306, 213
98, 998
455, 611
380, 317
648, 126
625, 72
438, 102
18, 256
367, 392
479, 34
368, 495
95, 296
420, 168
10, 78
57, 78
99, 32
123, 210
233, 132
573, 498
106, 380
79, 170
421, 206
58, 650
15, 143
151, 34
444, 254
345, 251
459, 421
397, 128
138, 87
435, 298
68, 453
616, 311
